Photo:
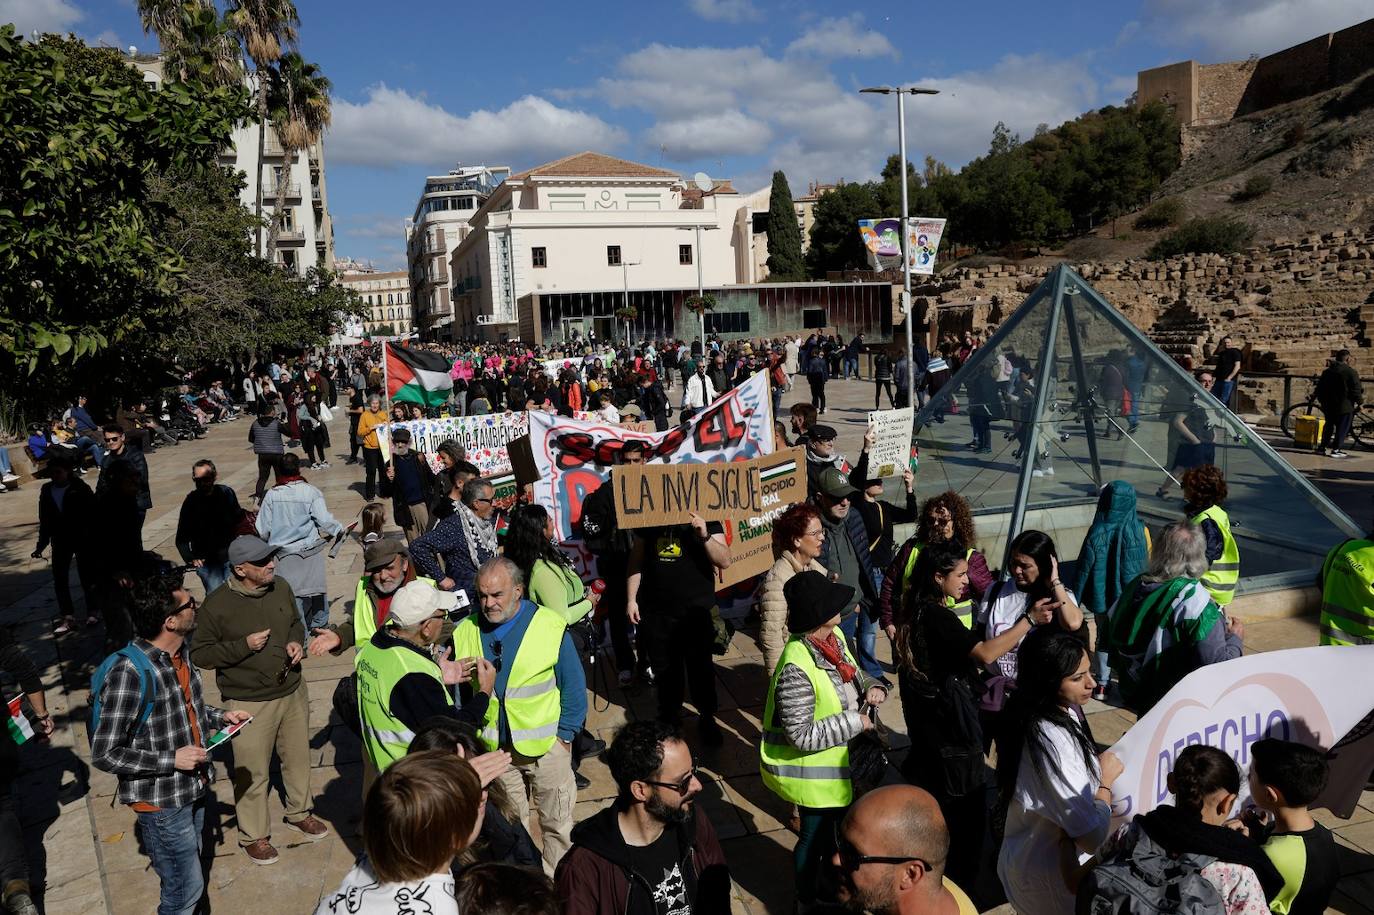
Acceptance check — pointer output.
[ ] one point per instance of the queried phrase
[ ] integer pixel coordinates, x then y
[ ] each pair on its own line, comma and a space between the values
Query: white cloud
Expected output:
842, 37
31, 17
1235, 29
727, 133
726, 10
394, 128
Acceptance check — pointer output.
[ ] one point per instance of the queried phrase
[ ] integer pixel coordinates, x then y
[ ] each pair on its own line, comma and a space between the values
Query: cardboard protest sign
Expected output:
751, 547
1300, 694
485, 438
653, 495
889, 455
572, 458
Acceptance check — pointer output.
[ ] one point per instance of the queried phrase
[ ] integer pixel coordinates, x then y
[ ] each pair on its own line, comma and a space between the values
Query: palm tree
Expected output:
196, 47
298, 107
265, 28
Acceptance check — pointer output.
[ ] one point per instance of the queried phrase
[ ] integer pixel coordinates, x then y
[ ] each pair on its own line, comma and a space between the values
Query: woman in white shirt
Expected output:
1049, 775
421, 812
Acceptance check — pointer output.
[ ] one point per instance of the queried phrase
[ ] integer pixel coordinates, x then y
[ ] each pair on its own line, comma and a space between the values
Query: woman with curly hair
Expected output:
944, 519
1204, 490
937, 672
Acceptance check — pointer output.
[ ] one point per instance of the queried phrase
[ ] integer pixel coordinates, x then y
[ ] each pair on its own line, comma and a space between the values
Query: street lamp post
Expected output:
901, 92
625, 274
701, 288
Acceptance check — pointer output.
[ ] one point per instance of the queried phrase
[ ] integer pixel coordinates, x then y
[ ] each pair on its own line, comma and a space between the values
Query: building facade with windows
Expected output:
305, 237
753, 218
589, 224
439, 224
387, 310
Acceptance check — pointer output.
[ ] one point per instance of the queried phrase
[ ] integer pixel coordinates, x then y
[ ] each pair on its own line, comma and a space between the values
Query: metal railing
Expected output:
269, 190
1288, 379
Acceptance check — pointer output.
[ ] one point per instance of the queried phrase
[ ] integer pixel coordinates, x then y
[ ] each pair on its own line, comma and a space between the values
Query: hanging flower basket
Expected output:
627, 312
697, 304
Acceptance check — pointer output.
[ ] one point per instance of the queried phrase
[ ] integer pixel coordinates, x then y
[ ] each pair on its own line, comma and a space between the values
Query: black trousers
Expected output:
878, 387
13, 864
679, 642
267, 463
817, 392
62, 555
353, 442
372, 465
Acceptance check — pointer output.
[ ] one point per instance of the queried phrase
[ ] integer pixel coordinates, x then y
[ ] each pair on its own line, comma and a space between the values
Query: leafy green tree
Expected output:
785, 262
835, 240
82, 263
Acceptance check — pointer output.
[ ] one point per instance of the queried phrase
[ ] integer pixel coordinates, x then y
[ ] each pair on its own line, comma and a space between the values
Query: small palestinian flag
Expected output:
20, 729
777, 470
417, 376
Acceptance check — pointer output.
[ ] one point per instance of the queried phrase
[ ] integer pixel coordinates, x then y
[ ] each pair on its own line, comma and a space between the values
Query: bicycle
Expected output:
1361, 427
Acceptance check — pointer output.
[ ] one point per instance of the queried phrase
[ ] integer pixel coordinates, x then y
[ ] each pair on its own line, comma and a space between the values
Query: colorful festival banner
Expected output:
1305, 695
484, 438
574, 457
923, 242
882, 237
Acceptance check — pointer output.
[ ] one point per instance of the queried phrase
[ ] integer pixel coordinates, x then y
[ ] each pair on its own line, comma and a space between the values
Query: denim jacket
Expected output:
293, 517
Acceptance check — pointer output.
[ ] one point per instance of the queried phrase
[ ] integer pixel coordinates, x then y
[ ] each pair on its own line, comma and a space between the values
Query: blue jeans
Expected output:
1136, 394
777, 403
861, 633
1223, 391
314, 612
1102, 669
85, 443
851, 364
5, 466
172, 837
212, 575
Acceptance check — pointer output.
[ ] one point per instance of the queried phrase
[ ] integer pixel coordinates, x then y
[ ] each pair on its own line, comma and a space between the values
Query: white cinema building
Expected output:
590, 223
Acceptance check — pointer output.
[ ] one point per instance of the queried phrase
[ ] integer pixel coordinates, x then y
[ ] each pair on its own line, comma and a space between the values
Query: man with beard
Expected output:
387, 567
651, 852
890, 854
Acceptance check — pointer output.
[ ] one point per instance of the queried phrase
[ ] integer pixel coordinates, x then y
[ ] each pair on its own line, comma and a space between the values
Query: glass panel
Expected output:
1103, 403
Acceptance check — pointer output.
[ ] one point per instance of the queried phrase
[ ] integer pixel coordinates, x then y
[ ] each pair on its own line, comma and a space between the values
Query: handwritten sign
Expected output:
485, 438
652, 495
889, 455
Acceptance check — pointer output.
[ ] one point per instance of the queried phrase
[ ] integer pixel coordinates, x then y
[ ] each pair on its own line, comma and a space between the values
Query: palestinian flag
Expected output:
20, 729
416, 376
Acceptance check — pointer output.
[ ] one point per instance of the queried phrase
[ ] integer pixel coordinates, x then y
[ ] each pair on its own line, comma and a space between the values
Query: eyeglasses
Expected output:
681, 787
191, 604
852, 860
818, 532
481, 500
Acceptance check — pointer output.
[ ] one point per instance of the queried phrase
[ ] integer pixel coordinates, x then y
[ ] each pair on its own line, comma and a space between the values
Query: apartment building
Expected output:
387, 309
589, 223
753, 214
305, 237
438, 226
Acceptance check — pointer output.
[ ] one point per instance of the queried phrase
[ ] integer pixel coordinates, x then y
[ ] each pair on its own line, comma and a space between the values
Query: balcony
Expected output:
272, 147
291, 190
291, 237
315, 196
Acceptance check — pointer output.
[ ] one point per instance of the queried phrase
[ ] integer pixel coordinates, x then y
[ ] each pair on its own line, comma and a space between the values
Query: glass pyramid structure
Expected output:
1091, 399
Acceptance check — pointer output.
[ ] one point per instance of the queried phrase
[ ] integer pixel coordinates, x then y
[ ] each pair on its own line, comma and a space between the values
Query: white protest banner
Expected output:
890, 453
922, 243
484, 438
1308, 695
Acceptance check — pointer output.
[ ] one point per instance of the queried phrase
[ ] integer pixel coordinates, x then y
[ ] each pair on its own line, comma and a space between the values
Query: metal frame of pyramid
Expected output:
1071, 308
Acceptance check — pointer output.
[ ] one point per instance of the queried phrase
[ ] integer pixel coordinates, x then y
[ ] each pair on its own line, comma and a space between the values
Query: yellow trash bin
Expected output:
1307, 430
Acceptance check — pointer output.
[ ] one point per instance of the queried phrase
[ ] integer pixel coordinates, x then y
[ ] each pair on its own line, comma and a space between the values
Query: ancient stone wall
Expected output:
1220, 88
1288, 305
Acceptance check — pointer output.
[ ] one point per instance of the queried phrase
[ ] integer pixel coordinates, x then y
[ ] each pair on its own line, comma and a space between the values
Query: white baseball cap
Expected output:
417, 601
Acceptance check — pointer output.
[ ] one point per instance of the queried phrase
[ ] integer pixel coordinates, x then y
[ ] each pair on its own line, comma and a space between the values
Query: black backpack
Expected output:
1141, 878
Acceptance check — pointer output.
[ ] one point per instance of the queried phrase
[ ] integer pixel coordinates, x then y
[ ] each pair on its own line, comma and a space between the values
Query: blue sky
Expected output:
735, 88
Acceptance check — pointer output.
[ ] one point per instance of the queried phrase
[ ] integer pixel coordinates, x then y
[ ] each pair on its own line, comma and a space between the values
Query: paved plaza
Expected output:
83, 847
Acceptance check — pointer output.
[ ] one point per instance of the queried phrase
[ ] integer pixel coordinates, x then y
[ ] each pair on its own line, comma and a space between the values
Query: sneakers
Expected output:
261, 852
19, 902
1100, 693
65, 625
312, 827
1037, 472
324, 465
1338, 454
9, 478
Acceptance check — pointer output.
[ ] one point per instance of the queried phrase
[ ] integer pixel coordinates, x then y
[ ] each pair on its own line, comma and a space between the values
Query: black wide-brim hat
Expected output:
812, 599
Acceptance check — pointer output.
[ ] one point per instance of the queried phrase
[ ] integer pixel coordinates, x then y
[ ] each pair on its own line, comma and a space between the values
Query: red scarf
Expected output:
830, 649
283, 480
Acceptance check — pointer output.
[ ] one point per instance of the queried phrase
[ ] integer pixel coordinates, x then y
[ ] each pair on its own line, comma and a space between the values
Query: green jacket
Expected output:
220, 643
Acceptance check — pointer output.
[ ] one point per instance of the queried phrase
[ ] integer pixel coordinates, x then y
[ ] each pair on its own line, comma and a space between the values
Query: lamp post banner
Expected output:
1307, 695
923, 242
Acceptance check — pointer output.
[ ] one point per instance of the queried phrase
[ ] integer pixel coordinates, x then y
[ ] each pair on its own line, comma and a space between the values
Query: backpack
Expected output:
147, 686
1143, 879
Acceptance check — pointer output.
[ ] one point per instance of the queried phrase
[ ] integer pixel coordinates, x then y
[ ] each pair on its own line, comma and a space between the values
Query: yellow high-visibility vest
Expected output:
1220, 580
1348, 594
819, 779
531, 697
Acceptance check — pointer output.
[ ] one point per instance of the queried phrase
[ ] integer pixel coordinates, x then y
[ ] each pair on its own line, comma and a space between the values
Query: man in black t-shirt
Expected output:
674, 570
651, 852
1228, 370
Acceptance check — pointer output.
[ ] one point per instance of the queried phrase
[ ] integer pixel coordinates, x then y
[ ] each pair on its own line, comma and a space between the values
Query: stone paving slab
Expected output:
85, 848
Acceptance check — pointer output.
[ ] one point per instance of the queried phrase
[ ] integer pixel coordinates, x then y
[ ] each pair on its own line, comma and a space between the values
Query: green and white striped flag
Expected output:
20, 729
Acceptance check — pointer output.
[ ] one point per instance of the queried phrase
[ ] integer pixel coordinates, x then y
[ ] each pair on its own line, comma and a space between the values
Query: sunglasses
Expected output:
113, 438
851, 860
481, 500
191, 604
681, 787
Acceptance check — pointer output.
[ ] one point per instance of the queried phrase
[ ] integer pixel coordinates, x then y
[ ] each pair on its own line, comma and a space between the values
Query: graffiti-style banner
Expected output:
484, 438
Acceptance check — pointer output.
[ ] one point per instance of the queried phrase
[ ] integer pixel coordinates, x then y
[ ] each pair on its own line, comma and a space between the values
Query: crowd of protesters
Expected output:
472, 632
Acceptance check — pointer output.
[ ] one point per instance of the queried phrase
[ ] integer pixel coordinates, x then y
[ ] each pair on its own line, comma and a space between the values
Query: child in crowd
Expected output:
1286, 777
1205, 782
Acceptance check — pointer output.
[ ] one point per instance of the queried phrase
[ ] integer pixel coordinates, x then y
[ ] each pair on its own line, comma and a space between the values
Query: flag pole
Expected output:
386, 380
